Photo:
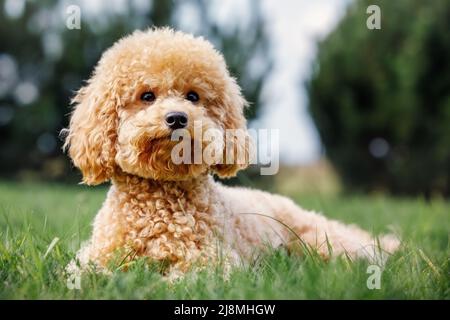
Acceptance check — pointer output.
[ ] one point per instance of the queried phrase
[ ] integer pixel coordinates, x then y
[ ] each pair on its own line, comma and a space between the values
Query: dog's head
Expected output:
144, 87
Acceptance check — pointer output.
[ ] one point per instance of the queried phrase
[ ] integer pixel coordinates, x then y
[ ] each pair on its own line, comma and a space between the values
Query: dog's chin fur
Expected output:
178, 213
152, 160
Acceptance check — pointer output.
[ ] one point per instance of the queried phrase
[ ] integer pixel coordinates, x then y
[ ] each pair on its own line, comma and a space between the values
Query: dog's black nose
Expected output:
176, 120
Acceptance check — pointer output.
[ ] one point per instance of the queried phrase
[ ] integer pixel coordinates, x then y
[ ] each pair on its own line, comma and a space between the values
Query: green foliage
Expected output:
31, 216
392, 84
29, 144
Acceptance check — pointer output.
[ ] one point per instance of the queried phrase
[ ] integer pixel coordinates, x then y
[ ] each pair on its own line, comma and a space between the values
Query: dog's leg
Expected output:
332, 238
280, 221
108, 236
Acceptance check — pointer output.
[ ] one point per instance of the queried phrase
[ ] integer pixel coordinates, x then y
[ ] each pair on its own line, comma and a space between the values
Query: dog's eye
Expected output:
192, 96
148, 96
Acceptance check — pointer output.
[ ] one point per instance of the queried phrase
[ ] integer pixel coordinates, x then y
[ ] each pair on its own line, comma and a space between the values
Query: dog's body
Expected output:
120, 131
202, 221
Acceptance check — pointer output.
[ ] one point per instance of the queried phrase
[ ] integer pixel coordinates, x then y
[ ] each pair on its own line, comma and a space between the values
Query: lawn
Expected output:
33, 215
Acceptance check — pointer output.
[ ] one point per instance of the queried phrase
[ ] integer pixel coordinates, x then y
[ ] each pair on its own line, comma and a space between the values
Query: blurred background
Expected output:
358, 110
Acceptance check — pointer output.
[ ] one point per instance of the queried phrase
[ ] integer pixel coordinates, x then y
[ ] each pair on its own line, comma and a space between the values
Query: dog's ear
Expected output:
238, 142
92, 132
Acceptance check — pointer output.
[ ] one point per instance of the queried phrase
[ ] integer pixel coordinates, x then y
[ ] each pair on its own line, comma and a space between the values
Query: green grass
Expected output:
31, 216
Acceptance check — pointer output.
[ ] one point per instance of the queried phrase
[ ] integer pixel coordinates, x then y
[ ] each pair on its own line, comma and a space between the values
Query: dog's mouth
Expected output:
159, 139
145, 141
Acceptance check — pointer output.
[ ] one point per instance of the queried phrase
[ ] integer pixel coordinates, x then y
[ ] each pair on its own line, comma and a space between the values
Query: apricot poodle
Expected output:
145, 87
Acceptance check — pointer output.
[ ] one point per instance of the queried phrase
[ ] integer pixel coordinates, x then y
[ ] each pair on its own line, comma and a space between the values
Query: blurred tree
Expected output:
381, 98
42, 63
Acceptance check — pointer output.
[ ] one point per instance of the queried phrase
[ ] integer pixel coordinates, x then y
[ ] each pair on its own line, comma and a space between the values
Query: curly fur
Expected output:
178, 213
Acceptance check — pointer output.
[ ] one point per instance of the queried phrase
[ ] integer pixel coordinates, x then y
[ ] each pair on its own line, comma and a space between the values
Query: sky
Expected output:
295, 27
